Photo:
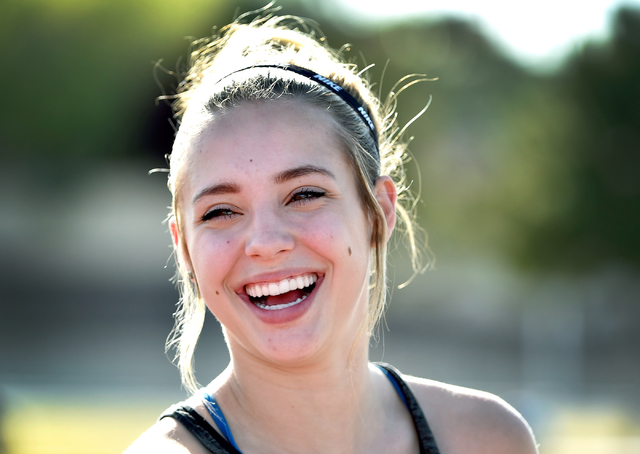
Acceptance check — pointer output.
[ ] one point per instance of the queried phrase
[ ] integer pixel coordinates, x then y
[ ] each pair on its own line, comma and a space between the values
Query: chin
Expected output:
289, 347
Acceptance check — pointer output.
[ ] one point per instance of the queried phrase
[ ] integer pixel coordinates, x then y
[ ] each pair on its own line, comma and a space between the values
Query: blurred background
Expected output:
529, 159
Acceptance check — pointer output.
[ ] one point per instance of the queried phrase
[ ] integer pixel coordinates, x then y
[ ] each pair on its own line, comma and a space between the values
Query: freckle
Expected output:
349, 250
217, 292
250, 160
228, 241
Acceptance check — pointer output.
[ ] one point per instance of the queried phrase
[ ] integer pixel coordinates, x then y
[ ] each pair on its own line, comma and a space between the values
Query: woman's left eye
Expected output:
305, 195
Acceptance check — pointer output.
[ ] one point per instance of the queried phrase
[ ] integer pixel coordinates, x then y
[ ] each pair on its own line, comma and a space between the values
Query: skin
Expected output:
301, 381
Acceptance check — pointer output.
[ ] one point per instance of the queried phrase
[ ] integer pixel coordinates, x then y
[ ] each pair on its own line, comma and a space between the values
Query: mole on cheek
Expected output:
217, 292
349, 250
250, 160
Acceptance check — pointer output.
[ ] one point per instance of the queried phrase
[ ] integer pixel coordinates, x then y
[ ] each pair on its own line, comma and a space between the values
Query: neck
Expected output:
267, 404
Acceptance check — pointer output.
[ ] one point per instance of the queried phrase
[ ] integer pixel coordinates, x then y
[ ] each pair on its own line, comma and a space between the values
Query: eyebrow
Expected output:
222, 188
301, 171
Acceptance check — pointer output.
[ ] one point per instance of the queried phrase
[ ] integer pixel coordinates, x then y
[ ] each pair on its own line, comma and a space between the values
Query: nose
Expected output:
269, 236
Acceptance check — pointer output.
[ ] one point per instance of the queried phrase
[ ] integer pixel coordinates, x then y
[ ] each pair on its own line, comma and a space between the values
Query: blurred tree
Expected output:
78, 74
543, 170
602, 222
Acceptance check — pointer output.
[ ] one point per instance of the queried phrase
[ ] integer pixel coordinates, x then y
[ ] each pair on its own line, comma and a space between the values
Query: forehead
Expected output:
271, 118
257, 138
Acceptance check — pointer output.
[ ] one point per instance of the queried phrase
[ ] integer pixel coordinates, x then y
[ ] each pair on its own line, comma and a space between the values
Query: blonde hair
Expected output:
221, 75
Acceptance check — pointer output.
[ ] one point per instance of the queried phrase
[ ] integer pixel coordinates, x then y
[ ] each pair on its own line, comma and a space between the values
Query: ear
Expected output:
178, 245
387, 195
175, 234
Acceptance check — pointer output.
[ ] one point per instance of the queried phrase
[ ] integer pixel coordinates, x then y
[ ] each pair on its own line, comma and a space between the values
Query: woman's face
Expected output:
275, 232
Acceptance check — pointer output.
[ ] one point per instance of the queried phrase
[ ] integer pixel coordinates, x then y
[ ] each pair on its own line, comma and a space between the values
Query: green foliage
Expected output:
603, 221
544, 170
78, 74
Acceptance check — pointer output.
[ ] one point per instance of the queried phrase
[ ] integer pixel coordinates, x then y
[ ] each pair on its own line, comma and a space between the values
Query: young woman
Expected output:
282, 209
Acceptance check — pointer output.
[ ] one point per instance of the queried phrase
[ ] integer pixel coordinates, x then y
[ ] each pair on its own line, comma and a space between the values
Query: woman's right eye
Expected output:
218, 214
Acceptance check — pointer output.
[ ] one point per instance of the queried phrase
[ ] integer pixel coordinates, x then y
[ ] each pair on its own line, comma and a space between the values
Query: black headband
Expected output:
334, 87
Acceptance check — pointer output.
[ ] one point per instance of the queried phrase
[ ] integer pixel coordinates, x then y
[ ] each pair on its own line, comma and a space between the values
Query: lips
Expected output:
283, 294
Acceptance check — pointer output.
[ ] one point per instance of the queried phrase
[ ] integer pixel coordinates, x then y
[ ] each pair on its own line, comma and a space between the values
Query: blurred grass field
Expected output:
592, 430
89, 426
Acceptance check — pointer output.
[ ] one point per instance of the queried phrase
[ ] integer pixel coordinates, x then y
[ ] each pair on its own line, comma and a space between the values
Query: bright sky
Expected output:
536, 33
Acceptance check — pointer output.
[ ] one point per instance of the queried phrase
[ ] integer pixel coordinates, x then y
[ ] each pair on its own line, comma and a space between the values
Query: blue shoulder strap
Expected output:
427, 441
218, 417
395, 384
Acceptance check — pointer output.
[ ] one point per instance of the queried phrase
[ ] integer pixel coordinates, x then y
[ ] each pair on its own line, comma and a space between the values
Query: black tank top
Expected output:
217, 444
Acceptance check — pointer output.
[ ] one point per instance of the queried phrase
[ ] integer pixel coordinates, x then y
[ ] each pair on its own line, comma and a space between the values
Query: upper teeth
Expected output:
283, 286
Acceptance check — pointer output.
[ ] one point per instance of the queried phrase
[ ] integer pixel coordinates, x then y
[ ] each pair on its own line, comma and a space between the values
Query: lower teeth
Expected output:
277, 307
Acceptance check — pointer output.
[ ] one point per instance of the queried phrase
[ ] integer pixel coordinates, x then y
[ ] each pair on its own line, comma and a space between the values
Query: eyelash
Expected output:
306, 195
219, 213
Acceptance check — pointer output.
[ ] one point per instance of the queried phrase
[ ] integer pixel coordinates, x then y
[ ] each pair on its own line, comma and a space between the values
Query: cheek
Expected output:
341, 237
213, 255
322, 231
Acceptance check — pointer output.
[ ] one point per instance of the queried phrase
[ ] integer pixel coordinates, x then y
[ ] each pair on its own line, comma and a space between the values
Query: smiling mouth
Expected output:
273, 296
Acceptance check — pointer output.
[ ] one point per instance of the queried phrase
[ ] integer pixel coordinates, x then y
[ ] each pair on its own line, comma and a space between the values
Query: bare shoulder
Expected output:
468, 421
166, 436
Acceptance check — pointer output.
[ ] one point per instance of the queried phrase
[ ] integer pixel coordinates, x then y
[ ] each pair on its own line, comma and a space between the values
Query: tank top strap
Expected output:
201, 429
425, 436
217, 444
218, 417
